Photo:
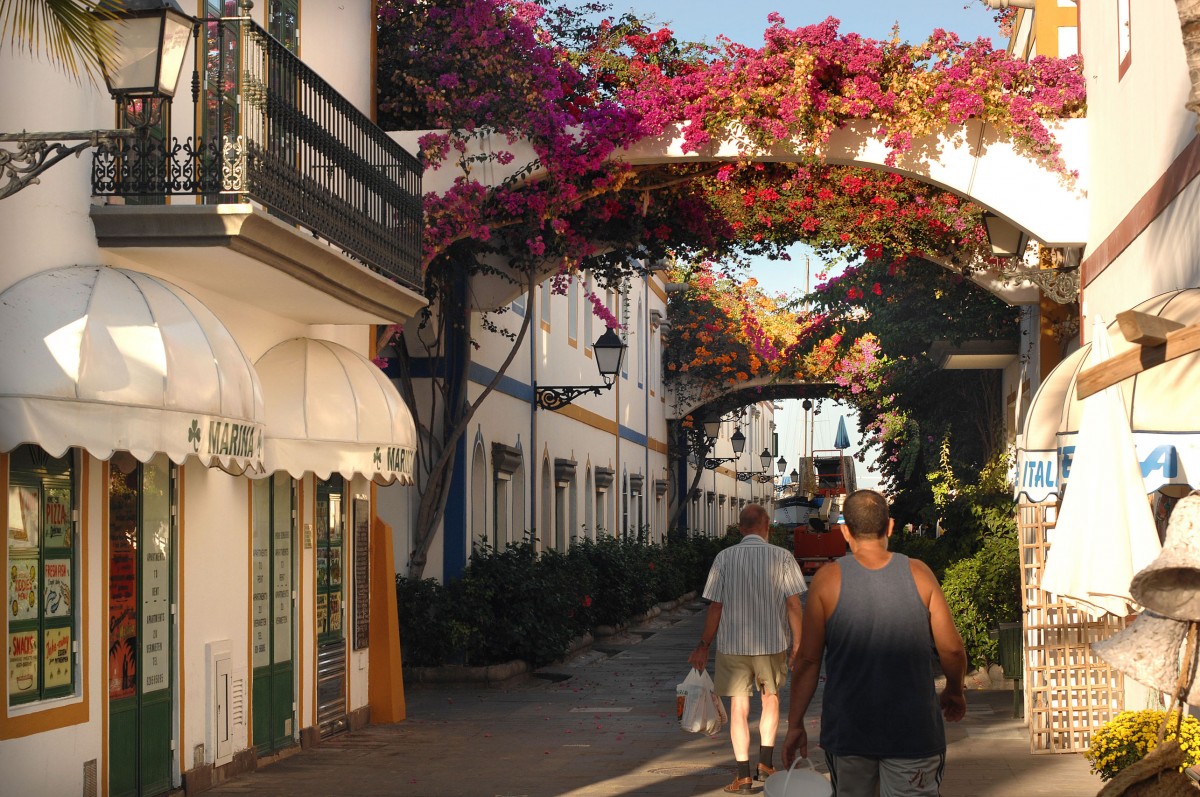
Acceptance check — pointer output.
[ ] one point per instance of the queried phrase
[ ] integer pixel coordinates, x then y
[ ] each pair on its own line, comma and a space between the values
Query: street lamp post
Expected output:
738, 441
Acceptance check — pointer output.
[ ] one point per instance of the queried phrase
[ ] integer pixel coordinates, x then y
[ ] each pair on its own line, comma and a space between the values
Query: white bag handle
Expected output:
787, 778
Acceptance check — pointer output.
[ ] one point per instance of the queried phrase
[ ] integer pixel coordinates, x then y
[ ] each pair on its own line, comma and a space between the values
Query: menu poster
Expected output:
22, 663
57, 586
56, 671
335, 612
23, 529
362, 574
57, 517
22, 589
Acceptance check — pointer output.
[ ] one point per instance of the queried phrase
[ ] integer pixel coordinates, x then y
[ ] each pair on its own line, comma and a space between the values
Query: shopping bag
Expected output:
700, 710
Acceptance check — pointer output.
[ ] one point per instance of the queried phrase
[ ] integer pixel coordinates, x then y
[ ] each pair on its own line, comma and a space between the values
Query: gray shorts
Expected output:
862, 776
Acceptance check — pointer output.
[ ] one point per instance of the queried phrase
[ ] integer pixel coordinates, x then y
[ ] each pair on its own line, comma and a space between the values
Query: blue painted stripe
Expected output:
633, 436
454, 520
482, 375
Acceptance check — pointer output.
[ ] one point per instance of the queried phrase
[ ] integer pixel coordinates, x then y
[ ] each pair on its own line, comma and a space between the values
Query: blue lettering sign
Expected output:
1164, 458
1067, 454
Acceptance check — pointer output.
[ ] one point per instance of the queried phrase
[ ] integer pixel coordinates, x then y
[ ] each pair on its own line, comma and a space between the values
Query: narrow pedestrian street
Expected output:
604, 724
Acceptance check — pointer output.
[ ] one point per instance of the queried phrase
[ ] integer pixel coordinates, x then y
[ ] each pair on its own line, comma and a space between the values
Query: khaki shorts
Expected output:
740, 675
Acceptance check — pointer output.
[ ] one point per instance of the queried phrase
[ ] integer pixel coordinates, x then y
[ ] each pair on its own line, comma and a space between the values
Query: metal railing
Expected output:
280, 136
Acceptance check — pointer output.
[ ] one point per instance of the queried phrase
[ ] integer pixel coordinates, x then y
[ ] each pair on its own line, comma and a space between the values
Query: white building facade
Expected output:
193, 437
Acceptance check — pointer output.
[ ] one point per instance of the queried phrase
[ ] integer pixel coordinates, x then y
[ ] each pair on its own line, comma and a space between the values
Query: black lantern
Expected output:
795, 474
738, 441
764, 459
152, 40
609, 350
712, 428
1005, 238
781, 464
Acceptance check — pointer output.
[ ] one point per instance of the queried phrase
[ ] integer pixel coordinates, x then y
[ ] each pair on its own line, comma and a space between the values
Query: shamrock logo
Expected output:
194, 435
378, 458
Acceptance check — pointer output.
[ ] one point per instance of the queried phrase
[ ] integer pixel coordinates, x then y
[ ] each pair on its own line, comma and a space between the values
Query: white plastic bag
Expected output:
700, 710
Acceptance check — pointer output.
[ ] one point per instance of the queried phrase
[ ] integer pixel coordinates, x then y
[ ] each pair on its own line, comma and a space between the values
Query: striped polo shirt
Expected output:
752, 581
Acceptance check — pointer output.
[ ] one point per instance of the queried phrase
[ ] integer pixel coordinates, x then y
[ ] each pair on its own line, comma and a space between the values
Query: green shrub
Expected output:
984, 591
517, 603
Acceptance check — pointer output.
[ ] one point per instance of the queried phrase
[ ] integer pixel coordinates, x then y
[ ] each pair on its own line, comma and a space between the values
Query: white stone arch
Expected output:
974, 160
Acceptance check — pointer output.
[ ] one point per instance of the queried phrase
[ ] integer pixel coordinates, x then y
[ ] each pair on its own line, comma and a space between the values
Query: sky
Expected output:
744, 21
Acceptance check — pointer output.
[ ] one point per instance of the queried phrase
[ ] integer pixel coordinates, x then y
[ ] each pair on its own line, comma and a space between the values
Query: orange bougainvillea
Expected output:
725, 331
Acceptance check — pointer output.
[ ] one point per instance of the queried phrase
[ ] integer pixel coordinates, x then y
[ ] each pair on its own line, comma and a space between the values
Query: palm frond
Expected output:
67, 32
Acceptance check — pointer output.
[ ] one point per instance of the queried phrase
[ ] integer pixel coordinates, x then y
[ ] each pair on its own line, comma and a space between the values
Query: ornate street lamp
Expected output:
738, 441
781, 464
712, 428
609, 351
764, 459
151, 43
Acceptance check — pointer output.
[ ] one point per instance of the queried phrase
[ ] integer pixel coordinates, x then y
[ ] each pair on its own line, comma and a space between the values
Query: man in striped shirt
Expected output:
754, 588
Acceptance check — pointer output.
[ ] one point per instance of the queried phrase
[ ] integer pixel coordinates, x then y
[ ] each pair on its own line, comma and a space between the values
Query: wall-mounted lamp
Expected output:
1006, 239
609, 350
781, 463
737, 440
151, 39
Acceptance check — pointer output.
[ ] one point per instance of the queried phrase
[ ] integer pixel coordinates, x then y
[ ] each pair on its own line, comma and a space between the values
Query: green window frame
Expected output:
42, 574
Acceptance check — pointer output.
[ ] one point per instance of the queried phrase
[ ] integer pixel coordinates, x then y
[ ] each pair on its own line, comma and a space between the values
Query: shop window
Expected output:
42, 576
331, 527
283, 22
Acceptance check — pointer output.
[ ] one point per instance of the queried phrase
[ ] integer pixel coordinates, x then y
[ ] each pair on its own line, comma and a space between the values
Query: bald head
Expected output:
754, 520
866, 513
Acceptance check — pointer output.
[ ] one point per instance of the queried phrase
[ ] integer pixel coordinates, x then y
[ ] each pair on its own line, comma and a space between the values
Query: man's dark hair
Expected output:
866, 513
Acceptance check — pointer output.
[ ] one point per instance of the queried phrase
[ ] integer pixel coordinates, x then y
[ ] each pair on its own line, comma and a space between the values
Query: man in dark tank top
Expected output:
875, 616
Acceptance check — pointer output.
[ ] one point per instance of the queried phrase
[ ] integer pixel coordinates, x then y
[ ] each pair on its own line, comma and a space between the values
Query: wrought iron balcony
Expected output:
273, 133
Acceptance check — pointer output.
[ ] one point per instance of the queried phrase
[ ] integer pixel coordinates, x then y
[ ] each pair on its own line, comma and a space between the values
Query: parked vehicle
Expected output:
815, 521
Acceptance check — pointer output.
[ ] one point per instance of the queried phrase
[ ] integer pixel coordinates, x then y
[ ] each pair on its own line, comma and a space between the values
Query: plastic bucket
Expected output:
798, 783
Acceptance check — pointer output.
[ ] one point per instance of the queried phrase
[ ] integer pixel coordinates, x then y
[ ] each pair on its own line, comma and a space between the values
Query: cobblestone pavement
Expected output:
603, 725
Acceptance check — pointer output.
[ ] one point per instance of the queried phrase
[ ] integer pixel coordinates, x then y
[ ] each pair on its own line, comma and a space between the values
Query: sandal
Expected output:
739, 786
764, 772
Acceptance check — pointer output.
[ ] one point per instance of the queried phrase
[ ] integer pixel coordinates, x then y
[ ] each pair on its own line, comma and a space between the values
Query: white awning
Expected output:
1158, 403
113, 360
331, 410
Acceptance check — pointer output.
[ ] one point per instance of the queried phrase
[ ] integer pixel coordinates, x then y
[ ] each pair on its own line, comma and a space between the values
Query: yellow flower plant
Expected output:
1128, 737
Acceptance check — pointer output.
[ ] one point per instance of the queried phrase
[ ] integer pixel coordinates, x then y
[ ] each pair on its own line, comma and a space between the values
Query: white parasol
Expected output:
1105, 531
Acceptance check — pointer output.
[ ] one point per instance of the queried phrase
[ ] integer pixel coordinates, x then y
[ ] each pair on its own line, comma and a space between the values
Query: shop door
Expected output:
331, 635
273, 612
141, 622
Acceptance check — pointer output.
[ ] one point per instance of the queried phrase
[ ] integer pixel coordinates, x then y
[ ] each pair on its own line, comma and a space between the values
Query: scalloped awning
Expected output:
108, 359
1158, 403
331, 410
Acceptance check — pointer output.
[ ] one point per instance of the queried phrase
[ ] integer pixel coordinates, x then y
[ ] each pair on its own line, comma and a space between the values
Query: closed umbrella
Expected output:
1105, 531
841, 440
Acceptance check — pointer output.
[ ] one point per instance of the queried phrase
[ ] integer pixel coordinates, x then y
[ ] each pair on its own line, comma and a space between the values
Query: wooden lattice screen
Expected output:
1069, 691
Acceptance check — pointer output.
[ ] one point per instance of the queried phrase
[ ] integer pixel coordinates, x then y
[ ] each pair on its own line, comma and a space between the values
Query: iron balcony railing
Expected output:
273, 132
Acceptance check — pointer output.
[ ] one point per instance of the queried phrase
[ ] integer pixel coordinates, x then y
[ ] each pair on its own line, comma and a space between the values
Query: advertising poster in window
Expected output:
57, 518
156, 614
22, 663
261, 622
283, 595
23, 528
322, 614
22, 589
56, 577
335, 612
56, 667
335, 567
122, 618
